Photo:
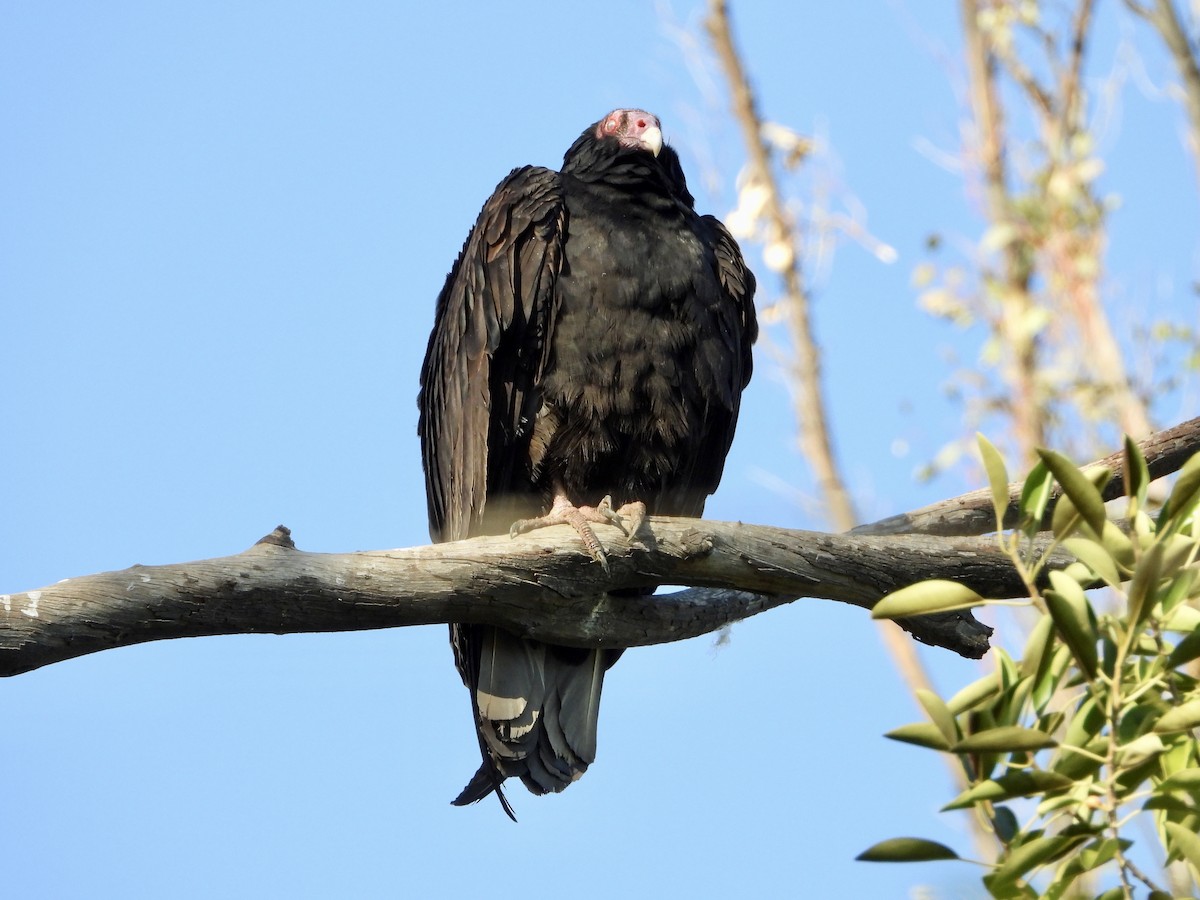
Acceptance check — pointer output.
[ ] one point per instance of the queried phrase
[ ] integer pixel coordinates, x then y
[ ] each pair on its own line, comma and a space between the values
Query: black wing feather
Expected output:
724, 354
737, 331
493, 323
479, 393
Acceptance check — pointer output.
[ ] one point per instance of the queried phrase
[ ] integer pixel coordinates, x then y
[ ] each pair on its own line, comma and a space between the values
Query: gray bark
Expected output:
541, 585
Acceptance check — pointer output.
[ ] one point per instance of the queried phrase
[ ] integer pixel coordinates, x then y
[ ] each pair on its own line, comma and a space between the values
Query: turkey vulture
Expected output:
589, 350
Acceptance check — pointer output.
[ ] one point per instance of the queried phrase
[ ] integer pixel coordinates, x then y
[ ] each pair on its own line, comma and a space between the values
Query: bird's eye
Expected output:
641, 123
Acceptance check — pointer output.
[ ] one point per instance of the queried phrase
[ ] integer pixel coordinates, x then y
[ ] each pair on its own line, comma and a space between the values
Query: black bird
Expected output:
589, 351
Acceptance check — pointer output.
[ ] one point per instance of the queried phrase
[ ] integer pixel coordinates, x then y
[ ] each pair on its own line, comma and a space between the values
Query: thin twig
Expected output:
1165, 20
1016, 310
1104, 359
1070, 89
811, 418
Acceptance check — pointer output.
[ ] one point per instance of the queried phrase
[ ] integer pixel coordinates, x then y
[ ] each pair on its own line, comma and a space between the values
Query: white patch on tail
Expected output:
499, 708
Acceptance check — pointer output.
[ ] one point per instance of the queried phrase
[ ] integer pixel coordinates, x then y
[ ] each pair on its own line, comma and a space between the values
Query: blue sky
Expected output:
222, 229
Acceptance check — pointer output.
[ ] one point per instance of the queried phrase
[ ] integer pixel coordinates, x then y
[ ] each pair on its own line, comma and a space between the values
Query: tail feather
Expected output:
551, 719
580, 693
536, 710
510, 683
481, 784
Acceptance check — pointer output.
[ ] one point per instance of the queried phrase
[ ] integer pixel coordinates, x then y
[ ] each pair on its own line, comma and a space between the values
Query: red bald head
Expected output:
634, 129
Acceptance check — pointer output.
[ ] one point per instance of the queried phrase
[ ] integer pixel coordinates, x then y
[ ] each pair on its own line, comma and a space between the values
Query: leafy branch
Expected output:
1095, 727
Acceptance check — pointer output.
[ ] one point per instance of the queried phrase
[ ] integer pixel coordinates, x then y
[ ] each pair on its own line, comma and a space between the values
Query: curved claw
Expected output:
635, 514
612, 516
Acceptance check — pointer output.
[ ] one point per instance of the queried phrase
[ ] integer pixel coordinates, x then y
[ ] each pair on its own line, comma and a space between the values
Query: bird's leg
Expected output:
564, 512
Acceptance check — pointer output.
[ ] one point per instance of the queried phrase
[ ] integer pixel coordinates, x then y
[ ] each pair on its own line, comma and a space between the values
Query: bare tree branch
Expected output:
541, 585
971, 513
1071, 88
811, 419
1016, 305
1165, 20
1075, 251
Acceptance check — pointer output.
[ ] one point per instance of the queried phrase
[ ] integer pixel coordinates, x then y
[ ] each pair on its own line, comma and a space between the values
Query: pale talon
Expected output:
635, 514
612, 516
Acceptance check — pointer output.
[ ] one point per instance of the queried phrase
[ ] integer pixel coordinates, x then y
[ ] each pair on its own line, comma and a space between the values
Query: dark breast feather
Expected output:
654, 327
